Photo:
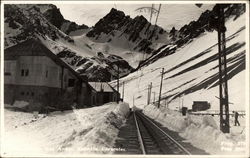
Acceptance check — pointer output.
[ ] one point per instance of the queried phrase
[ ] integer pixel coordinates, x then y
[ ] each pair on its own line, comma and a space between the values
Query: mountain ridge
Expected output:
137, 31
23, 22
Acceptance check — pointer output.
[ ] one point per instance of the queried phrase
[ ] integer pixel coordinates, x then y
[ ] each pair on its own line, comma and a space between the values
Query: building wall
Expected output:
42, 71
105, 97
84, 97
45, 82
33, 94
10, 72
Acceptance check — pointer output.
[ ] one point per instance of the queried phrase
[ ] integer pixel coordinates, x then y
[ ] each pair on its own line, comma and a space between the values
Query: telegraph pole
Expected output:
223, 87
219, 23
123, 91
149, 93
118, 97
154, 97
159, 101
133, 100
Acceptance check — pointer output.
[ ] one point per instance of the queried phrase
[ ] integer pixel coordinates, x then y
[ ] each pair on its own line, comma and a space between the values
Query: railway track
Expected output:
154, 140
141, 135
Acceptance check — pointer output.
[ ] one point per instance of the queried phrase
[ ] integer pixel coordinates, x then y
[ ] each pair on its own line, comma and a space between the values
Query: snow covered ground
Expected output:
192, 75
80, 131
203, 131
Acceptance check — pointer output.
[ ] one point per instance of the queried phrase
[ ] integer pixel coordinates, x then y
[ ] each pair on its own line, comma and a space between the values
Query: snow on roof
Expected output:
98, 86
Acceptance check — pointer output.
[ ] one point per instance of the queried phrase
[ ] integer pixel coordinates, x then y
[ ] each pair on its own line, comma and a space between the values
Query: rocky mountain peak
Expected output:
140, 18
118, 26
54, 16
115, 13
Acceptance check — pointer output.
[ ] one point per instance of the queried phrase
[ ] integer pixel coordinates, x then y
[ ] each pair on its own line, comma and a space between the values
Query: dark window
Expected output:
47, 73
22, 93
32, 93
71, 82
26, 72
7, 74
22, 72
27, 93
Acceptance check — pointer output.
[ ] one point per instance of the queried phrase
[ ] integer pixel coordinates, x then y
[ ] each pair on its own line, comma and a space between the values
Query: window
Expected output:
27, 93
71, 82
22, 93
47, 73
24, 72
7, 74
32, 93
9, 67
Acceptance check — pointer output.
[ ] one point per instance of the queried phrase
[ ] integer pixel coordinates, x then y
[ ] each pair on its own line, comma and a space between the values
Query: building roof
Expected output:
101, 87
34, 47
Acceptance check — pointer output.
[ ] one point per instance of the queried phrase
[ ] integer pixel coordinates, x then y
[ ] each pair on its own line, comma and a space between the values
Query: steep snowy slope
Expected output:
191, 73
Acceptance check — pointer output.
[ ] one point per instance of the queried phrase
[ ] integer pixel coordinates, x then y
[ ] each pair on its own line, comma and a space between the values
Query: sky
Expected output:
170, 15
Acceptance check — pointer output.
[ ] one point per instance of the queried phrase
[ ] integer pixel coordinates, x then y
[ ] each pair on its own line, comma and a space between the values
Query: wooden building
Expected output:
34, 74
104, 93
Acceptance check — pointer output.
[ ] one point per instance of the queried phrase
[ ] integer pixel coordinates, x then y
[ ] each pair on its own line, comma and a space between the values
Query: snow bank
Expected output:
201, 131
20, 104
74, 132
98, 139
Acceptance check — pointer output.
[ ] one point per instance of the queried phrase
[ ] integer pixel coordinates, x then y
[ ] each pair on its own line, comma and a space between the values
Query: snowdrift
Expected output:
202, 131
75, 132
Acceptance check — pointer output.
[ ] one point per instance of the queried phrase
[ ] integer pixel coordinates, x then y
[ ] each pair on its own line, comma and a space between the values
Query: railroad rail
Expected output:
154, 140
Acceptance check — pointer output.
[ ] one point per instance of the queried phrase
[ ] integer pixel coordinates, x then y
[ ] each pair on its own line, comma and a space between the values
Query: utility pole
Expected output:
133, 100
224, 108
123, 91
151, 12
158, 12
159, 101
154, 97
219, 22
118, 97
149, 92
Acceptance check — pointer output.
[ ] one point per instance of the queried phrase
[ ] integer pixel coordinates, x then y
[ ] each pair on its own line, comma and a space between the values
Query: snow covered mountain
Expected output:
24, 21
192, 30
191, 68
116, 26
45, 22
133, 39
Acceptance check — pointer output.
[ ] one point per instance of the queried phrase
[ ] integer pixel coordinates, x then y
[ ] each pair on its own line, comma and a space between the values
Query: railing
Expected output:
217, 112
